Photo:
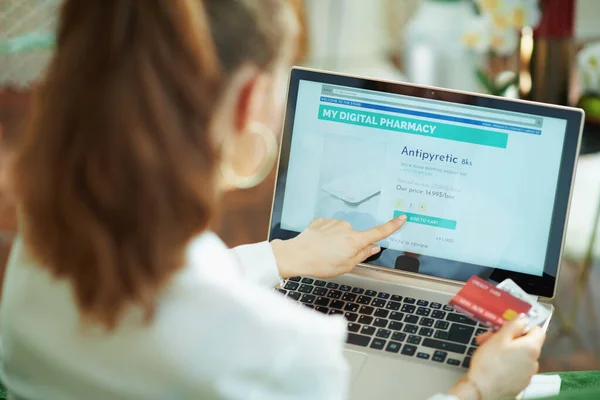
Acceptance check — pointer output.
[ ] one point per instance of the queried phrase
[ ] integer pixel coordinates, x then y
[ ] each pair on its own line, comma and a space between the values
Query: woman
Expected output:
118, 290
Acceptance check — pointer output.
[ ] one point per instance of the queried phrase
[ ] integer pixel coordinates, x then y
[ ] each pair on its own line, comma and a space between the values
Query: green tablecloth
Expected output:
575, 386
582, 385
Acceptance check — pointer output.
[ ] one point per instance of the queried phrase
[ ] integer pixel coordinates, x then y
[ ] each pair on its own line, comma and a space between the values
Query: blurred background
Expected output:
543, 50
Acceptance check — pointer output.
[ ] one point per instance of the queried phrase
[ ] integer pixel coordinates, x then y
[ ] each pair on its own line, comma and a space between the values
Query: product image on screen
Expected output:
354, 188
477, 184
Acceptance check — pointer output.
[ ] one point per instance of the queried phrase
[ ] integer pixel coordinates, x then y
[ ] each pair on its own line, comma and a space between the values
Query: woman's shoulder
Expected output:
22, 271
205, 313
207, 290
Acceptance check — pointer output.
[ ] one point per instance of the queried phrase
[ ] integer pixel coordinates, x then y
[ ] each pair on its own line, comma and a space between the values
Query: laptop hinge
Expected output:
403, 277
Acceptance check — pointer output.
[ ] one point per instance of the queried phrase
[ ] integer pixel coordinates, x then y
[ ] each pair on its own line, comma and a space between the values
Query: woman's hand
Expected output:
503, 365
329, 248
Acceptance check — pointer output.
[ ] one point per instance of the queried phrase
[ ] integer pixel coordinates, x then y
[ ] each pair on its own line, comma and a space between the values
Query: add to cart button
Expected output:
427, 220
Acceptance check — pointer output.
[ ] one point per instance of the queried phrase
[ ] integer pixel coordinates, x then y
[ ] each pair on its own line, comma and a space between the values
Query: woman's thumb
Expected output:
513, 329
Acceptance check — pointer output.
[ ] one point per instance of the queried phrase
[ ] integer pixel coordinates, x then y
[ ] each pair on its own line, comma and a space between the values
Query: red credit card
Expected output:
483, 302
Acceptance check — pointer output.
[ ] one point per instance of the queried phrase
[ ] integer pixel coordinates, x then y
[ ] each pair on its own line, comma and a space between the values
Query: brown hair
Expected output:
117, 171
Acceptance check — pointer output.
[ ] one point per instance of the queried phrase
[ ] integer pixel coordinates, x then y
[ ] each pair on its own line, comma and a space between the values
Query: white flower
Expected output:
589, 57
500, 20
521, 13
497, 27
588, 63
504, 41
515, 13
477, 34
490, 5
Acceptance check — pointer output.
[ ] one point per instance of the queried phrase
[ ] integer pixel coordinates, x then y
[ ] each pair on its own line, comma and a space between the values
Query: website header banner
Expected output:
413, 126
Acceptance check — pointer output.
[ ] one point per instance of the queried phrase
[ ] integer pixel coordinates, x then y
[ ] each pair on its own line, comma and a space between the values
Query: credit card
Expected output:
508, 285
538, 314
487, 304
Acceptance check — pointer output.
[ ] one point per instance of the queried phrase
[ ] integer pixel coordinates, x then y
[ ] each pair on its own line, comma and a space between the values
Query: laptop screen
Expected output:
478, 184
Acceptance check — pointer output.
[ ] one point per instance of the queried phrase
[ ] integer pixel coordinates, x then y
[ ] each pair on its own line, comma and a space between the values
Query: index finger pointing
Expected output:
382, 231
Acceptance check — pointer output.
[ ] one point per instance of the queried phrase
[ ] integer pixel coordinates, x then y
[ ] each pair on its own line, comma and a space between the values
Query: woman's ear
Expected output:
244, 105
252, 98
244, 102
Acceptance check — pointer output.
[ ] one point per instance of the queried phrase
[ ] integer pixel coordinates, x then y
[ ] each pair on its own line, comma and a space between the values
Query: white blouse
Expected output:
219, 332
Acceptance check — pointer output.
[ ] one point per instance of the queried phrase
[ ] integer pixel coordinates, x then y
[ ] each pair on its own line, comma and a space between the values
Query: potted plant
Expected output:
494, 33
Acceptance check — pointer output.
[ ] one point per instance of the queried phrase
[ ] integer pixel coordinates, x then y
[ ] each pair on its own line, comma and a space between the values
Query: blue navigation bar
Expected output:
425, 114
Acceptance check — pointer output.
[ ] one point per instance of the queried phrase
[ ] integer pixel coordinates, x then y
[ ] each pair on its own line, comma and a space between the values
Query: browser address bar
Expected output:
439, 107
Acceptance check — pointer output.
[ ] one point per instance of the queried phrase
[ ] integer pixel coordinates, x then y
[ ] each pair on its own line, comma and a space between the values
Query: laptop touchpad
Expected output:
355, 361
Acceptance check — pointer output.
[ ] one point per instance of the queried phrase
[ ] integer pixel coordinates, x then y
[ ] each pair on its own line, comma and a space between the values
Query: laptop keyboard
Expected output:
391, 323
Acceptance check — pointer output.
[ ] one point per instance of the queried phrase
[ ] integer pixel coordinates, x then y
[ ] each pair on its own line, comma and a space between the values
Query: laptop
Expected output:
485, 183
